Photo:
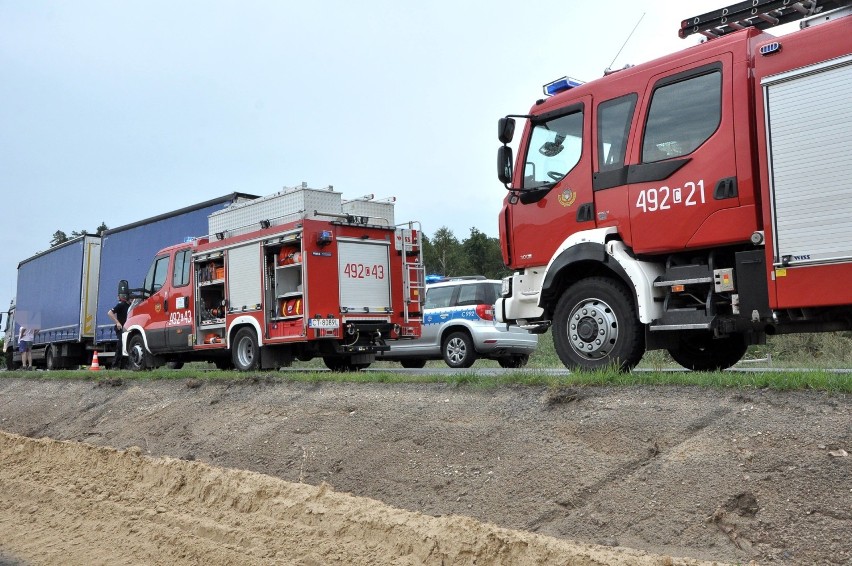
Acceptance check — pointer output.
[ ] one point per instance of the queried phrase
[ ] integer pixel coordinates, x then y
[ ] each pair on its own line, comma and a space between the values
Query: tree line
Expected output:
478, 254
60, 237
443, 253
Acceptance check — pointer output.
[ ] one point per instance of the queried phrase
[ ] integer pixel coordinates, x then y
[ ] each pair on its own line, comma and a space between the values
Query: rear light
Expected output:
485, 312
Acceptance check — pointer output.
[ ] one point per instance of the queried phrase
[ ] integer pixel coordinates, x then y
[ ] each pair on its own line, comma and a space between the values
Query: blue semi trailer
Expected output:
66, 291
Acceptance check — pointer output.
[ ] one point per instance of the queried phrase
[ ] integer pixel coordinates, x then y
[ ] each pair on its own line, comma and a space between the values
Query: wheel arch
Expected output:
612, 259
588, 259
242, 322
455, 327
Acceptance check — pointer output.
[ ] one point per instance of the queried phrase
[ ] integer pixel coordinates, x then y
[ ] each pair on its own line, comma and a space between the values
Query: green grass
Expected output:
820, 352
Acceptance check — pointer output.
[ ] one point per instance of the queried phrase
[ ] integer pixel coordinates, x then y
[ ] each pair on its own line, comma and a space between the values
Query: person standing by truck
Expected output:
26, 335
118, 314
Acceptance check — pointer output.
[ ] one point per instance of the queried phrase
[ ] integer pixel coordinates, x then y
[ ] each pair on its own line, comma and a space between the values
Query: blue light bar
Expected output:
770, 48
559, 85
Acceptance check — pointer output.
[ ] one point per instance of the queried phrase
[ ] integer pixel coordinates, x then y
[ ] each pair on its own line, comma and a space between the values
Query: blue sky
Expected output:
119, 111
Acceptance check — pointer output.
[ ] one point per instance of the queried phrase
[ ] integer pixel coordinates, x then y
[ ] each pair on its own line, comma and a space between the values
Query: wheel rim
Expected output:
136, 355
456, 350
245, 352
593, 329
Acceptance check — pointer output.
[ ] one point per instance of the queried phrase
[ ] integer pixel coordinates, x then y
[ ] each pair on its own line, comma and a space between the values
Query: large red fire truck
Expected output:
297, 275
694, 203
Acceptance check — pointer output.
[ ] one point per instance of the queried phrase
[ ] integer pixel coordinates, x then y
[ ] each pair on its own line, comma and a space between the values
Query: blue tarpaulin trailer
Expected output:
66, 291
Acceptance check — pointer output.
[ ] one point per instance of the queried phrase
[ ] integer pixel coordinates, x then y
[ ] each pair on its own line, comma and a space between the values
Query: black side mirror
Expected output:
504, 164
505, 130
123, 287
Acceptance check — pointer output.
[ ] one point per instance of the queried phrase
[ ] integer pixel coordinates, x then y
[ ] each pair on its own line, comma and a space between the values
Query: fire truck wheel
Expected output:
244, 351
174, 365
516, 361
138, 358
223, 363
458, 350
699, 351
595, 326
414, 363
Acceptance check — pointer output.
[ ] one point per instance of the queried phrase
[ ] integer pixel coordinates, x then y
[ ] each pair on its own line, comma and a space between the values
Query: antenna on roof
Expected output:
609, 67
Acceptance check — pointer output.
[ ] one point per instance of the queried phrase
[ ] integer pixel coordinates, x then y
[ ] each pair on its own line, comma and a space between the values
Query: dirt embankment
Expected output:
707, 475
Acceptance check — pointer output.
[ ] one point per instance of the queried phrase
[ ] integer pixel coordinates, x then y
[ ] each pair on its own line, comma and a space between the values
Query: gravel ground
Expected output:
717, 475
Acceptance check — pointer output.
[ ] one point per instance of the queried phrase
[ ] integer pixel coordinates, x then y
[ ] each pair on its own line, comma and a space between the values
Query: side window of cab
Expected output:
683, 114
157, 274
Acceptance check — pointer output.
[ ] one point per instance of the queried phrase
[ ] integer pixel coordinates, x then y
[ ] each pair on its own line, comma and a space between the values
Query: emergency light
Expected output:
560, 85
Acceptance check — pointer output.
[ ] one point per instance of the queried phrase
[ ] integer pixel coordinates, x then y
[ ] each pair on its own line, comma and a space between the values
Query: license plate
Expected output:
324, 323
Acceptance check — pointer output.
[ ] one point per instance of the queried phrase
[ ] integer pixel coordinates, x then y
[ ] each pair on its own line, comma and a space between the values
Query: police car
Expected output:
459, 327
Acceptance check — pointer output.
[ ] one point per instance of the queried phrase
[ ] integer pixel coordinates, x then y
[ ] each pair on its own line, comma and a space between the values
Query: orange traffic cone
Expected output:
95, 365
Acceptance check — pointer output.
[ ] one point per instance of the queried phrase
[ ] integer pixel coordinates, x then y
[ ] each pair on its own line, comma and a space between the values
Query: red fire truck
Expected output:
694, 203
297, 275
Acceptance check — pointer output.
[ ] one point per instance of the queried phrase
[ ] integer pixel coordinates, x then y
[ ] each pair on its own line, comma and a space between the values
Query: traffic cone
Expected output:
95, 365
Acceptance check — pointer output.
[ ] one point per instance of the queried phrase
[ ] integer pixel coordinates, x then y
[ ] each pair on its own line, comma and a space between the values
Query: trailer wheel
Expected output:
413, 363
244, 350
595, 326
699, 351
51, 360
137, 356
458, 350
516, 361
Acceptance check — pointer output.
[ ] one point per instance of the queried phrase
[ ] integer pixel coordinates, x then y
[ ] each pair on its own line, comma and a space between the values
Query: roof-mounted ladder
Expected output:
760, 14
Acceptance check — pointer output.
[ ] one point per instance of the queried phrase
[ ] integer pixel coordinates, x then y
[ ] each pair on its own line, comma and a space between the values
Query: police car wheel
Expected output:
458, 350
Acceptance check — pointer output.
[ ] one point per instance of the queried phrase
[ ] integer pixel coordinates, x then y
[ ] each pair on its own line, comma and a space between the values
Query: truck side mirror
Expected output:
504, 164
123, 287
505, 130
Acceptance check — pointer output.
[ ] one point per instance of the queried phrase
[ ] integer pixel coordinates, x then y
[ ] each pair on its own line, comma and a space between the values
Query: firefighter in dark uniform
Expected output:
118, 314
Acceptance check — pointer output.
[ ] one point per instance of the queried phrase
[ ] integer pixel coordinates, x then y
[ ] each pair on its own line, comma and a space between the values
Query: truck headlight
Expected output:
506, 287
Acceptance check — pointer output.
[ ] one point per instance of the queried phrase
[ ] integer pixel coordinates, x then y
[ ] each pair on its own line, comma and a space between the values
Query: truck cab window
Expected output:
181, 275
157, 274
555, 148
614, 117
683, 116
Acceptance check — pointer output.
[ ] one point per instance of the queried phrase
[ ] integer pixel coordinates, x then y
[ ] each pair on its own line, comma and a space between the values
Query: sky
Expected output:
119, 111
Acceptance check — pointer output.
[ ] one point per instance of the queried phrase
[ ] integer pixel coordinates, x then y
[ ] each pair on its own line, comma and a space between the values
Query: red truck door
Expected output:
683, 186
178, 304
154, 307
168, 308
556, 177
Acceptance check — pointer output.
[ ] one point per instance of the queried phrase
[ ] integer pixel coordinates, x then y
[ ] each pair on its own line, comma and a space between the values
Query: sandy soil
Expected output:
267, 471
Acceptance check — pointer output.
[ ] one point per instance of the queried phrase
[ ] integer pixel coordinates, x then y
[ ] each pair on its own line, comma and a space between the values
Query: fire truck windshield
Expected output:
554, 149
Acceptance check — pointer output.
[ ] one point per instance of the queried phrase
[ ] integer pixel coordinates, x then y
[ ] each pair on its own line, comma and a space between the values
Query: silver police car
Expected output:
459, 327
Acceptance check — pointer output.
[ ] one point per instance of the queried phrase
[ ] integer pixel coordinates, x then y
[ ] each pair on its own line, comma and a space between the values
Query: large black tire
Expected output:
244, 351
458, 351
174, 365
223, 364
138, 357
699, 351
514, 361
413, 363
595, 326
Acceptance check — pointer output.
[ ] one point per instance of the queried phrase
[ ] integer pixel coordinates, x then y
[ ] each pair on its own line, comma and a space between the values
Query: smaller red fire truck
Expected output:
297, 275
